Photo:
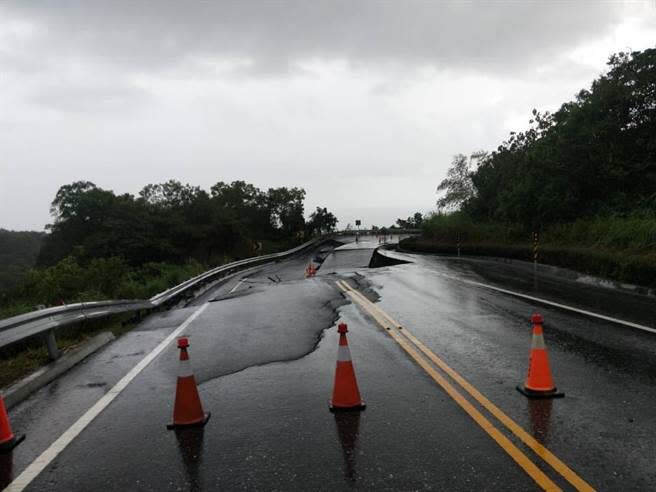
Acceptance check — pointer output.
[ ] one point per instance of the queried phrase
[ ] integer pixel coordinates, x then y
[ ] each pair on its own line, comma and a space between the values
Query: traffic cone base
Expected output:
199, 423
554, 393
333, 408
7, 446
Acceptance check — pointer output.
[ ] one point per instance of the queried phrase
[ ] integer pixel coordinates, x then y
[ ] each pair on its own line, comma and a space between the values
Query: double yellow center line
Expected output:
416, 348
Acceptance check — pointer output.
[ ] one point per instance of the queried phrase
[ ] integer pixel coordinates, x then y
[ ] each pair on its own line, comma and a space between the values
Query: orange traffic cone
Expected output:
539, 383
188, 411
346, 395
8, 440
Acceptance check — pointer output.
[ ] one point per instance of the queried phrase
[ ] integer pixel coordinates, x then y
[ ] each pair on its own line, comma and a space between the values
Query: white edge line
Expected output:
237, 286
552, 303
558, 305
40, 463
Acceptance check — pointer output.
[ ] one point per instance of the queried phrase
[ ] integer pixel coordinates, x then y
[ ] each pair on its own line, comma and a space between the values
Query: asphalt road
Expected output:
263, 347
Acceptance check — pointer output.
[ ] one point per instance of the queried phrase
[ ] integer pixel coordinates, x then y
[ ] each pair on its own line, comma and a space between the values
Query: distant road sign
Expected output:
358, 223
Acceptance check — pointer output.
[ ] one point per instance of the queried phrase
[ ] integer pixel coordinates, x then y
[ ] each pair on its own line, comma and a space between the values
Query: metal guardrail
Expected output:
46, 321
369, 232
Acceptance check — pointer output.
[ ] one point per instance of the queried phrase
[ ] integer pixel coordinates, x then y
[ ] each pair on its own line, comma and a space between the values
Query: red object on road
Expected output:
346, 395
8, 440
188, 410
539, 383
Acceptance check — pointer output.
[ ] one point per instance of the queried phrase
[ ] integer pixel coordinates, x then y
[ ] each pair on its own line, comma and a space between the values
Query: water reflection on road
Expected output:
540, 415
190, 445
348, 424
6, 469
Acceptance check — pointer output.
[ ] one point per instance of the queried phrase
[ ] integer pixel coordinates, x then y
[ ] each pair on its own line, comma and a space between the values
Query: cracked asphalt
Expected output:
263, 352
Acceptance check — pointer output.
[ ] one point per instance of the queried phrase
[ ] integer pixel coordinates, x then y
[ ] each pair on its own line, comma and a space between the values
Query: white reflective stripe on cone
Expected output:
343, 353
537, 342
185, 369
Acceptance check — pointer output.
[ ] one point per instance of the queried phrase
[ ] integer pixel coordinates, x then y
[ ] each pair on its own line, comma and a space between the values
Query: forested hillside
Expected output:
18, 253
170, 222
103, 245
582, 178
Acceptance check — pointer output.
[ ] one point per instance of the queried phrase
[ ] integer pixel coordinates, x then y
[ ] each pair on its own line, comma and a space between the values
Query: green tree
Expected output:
321, 221
595, 156
413, 222
169, 222
18, 253
171, 194
244, 204
458, 183
286, 207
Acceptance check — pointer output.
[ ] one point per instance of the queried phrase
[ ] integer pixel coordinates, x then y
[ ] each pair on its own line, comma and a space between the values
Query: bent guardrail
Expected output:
46, 321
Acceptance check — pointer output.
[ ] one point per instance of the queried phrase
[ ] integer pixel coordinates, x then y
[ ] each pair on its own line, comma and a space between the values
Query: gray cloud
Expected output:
363, 103
487, 35
89, 97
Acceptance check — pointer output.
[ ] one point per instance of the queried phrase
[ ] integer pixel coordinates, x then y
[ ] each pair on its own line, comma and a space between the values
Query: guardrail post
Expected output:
53, 350
535, 251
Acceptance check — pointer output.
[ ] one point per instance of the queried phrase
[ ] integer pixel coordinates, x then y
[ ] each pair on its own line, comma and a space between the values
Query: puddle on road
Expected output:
539, 412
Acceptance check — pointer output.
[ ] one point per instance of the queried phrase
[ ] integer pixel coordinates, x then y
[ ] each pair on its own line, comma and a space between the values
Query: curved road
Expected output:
442, 409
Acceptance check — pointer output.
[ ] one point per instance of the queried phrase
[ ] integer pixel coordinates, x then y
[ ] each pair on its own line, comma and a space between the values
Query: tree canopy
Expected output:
18, 252
321, 221
174, 222
413, 222
595, 156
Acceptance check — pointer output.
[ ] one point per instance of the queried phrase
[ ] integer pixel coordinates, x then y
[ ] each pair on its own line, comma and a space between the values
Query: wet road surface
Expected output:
263, 350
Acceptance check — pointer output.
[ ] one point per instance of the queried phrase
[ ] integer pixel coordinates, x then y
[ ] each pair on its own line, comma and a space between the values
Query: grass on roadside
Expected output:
617, 248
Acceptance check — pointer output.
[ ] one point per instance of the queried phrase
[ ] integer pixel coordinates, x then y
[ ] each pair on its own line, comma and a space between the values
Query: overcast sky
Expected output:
361, 103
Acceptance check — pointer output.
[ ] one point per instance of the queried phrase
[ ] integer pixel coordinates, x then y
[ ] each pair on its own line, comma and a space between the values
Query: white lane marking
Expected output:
343, 354
555, 304
237, 286
40, 463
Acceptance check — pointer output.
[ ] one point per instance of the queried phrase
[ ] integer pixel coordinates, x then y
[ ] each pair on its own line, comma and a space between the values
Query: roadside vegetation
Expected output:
21, 359
107, 246
616, 248
582, 178
18, 253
